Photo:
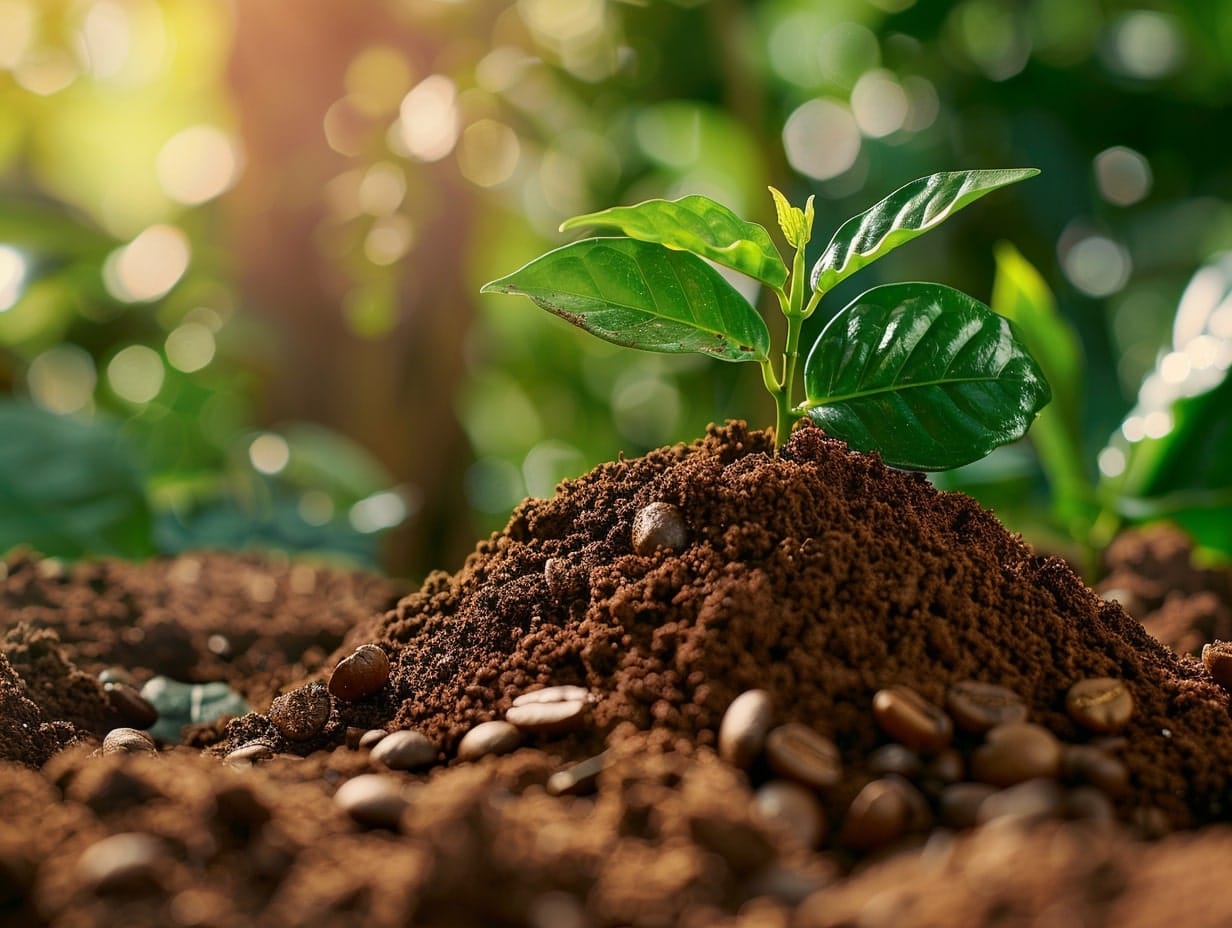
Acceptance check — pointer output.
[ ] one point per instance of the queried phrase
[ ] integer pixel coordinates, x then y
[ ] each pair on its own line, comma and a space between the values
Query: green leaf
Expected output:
697, 225
69, 488
924, 374
905, 214
643, 296
796, 224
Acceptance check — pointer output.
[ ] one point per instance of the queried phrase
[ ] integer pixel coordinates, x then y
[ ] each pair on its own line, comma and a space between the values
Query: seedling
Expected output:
924, 374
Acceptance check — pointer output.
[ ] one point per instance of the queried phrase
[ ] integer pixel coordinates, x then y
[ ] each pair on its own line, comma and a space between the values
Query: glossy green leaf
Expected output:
69, 488
905, 214
644, 296
698, 225
795, 223
924, 374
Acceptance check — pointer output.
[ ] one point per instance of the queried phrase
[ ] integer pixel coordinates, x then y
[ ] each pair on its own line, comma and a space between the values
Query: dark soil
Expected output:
819, 576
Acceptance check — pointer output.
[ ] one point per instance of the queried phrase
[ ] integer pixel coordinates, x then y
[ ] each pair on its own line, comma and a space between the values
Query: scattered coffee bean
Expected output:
797, 752
919, 813
945, 767
128, 741
908, 717
551, 711
1101, 704
959, 803
794, 808
1016, 752
894, 758
369, 738
494, 737
405, 750
121, 863
360, 674
1090, 805
1030, 800
129, 705
250, 753
1083, 763
659, 525
976, 707
579, 779
878, 815
743, 729
302, 713
372, 799
1217, 659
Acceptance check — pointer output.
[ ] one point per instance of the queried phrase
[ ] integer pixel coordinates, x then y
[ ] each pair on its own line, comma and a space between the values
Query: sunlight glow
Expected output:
197, 164
1111, 462
269, 453
106, 39
879, 104
62, 378
379, 511
489, 152
149, 266
136, 374
190, 347
1122, 175
822, 139
12, 276
18, 19
428, 119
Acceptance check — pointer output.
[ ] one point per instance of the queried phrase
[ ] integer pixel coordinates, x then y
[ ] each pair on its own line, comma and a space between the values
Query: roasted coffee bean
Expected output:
404, 750
1217, 659
944, 768
879, 814
360, 674
137, 711
1101, 704
579, 779
494, 737
1016, 752
959, 803
128, 741
372, 799
894, 758
1083, 763
976, 707
797, 752
909, 718
1090, 805
302, 713
1151, 823
1030, 800
794, 808
920, 814
659, 525
121, 863
369, 738
551, 711
743, 729
250, 753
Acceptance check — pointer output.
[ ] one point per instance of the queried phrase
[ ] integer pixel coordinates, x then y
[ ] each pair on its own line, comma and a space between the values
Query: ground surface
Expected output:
819, 578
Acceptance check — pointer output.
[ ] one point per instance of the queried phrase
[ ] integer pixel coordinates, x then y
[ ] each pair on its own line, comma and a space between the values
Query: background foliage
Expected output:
243, 250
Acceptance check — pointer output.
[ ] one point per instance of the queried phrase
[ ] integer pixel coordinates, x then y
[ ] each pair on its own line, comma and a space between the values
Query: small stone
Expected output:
302, 713
372, 799
128, 741
659, 525
360, 674
405, 750
494, 737
124, 862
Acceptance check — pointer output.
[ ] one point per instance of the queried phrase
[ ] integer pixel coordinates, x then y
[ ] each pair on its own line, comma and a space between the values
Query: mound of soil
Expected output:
773, 709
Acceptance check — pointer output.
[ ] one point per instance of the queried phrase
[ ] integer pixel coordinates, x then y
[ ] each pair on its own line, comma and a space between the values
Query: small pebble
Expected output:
659, 525
372, 799
494, 737
301, 713
360, 674
404, 750
128, 741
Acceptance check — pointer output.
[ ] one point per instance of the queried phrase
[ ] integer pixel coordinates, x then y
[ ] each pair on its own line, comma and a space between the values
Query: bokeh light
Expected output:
428, 119
488, 153
197, 164
136, 374
1096, 265
149, 266
1143, 44
379, 511
822, 139
12, 276
269, 453
190, 347
62, 378
879, 104
18, 19
1123, 175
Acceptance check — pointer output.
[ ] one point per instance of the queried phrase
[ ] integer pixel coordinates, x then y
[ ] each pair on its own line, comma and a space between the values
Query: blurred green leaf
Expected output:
644, 296
924, 374
70, 488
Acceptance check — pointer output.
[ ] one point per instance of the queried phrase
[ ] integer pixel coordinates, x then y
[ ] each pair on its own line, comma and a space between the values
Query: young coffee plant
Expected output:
925, 375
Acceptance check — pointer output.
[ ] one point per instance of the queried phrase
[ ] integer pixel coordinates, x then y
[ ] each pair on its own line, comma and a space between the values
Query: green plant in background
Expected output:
922, 373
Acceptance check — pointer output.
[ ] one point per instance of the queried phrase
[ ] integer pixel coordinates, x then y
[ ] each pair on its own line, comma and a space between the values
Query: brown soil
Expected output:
819, 576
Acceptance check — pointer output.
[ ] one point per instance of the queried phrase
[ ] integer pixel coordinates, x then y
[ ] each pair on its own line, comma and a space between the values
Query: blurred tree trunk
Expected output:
393, 395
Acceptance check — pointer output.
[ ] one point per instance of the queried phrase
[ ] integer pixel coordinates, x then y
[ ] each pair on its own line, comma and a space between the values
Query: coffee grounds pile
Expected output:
819, 577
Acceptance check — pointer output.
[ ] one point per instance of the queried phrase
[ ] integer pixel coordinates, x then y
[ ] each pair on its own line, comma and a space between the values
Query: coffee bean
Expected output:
894, 758
919, 813
128, 741
1217, 659
743, 729
959, 803
797, 752
137, 711
659, 525
579, 779
878, 815
494, 737
250, 753
1101, 704
1151, 823
373, 799
404, 750
908, 717
1083, 763
360, 674
551, 711
794, 808
945, 767
1089, 805
1016, 752
121, 863
976, 707
302, 713
1030, 800
352, 735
